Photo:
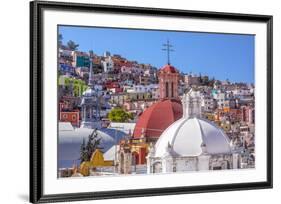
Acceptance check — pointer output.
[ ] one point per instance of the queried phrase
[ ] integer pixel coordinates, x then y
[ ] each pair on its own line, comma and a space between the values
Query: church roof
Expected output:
65, 126
110, 154
124, 127
155, 119
168, 69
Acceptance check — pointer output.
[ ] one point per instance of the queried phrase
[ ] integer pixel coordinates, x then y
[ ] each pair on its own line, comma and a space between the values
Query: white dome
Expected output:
186, 136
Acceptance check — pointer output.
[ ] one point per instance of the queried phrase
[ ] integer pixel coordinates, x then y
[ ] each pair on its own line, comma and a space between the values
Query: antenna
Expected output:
168, 47
90, 72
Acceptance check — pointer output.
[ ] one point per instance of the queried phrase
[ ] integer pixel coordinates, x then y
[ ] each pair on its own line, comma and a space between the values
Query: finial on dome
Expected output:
191, 103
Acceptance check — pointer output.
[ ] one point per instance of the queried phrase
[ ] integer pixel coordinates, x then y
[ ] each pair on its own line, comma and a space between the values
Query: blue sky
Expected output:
223, 56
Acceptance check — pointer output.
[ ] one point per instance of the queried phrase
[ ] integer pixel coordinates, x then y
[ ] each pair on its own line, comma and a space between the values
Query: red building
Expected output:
72, 117
111, 85
248, 114
68, 115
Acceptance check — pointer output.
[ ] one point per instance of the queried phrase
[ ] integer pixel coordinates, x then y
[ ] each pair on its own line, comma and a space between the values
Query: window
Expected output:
167, 89
217, 168
172, 89
157, 167
73, 117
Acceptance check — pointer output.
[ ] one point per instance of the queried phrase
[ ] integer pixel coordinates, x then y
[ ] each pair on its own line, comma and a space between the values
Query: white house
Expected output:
107, 64
220, 97
208, 103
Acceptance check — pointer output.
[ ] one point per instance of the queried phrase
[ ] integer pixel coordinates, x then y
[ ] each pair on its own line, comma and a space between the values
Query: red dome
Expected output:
168, 69
157, 118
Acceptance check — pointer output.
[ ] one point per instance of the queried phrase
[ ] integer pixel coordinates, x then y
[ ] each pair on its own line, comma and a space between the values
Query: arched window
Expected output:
217, 168
167, 89
73, 117
157, 167
122, 163
135, 158
172, 89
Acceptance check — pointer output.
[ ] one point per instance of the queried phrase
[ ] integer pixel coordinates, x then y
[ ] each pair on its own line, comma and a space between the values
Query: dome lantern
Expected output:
191, 104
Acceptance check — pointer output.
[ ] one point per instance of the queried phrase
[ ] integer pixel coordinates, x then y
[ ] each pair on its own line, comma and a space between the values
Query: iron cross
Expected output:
168, 47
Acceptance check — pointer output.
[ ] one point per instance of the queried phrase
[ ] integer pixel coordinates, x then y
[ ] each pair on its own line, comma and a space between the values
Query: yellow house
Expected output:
97, 160
210, 116
226, 126
84, 168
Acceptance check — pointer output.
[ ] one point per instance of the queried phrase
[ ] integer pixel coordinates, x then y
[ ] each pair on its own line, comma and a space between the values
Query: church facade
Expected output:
192, 144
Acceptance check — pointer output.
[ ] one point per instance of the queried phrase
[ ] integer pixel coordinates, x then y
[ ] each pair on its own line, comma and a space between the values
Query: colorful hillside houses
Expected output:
174, 117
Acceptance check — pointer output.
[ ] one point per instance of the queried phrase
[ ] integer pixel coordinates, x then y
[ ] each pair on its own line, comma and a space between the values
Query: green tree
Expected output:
67, 81
119, 115
72, 45
78, 86
93, 143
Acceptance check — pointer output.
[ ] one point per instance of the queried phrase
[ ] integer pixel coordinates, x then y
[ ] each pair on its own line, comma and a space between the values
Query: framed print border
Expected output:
36, 101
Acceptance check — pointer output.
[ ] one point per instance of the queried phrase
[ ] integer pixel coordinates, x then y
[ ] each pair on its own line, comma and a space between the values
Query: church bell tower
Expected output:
168, 77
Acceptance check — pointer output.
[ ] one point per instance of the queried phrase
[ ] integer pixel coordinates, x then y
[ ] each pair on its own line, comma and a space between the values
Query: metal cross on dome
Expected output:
168, 47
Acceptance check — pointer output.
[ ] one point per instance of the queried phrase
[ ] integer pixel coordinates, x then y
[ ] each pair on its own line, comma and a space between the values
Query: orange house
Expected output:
72, 117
